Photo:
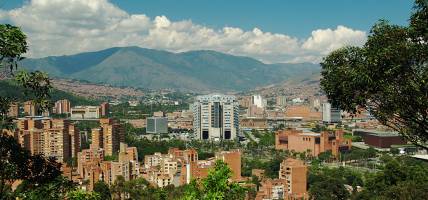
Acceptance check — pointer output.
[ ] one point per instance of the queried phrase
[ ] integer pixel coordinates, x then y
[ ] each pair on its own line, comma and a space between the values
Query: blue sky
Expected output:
269, 30
296, 18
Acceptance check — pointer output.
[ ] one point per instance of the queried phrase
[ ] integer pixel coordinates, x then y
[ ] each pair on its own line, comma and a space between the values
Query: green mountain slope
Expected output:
148, 68
11, 89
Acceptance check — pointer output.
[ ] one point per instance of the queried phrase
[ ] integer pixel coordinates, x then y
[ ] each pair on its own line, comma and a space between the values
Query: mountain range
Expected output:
202, 71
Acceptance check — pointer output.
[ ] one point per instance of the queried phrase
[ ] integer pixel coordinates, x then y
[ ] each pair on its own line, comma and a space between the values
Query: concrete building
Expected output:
180, 120
330, 114
295, 172
157, 125
86, 112
258, 101
179, 167
281, 101
380, 139
105, 109
13, 110
112, 135
254, 123
301, 112
93, 168
216, 117
51, 137
233, 160
62, 107
30, 109
290, 185
310, 142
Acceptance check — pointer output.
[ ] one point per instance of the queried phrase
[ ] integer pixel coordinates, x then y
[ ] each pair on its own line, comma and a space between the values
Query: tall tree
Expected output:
387, 76
216, 186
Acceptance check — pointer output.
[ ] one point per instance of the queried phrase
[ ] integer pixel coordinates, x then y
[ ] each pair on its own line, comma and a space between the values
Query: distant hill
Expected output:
11, 89
148, 68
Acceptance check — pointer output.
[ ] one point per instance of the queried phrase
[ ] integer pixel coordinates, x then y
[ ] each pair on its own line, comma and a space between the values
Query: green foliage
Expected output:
83, 195
326, 183
39, 175
12, 45
328, 188
358, 154
319, 128
55, 188
103, 190
216, 186
400, 178
388, 76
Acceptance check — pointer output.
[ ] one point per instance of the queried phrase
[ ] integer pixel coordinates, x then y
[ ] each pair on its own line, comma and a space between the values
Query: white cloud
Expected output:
57, 27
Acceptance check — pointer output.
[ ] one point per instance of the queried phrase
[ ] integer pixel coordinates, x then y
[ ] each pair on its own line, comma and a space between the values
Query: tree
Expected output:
103, 190
82, 195
400, 178
388, 76
40, 175
329, 188
216, 186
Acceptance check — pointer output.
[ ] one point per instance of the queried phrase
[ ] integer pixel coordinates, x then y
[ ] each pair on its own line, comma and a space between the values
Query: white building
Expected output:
86, 112
216, 117
258, 101
329, 114
281, 101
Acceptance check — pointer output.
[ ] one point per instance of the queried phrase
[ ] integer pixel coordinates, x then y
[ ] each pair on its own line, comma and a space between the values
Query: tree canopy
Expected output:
388, 76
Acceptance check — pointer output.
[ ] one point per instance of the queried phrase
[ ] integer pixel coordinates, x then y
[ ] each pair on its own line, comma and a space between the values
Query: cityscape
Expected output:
99, 102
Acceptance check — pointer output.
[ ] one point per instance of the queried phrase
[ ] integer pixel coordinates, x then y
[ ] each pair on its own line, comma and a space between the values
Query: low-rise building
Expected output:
86, 112
310, 142
380, 139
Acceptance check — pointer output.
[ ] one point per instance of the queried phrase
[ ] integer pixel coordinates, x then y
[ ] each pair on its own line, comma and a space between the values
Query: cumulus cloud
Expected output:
58, 27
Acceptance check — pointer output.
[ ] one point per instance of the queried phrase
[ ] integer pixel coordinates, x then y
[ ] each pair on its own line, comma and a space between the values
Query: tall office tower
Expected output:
62, 106
330, 114
281, 101
216, 117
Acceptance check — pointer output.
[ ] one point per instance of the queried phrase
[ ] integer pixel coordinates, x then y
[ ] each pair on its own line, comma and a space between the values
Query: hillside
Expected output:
147, 68
11, 89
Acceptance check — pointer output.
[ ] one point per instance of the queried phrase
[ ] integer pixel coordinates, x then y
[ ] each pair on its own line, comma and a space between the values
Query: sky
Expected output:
270, 30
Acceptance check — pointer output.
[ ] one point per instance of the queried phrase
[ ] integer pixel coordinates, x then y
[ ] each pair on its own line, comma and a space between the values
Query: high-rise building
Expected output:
157, 125
216, 117
13, 110
30, 109
105, 109
258, 101
62, 106
113, 134
51, 137
295, 172
330, 114
281, 101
